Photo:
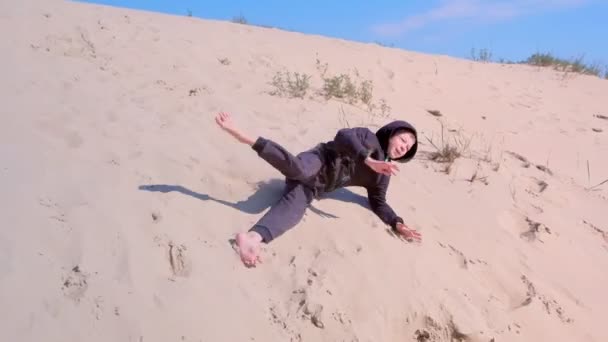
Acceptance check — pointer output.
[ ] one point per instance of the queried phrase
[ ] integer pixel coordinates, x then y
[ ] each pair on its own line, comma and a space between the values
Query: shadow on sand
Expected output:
267, 194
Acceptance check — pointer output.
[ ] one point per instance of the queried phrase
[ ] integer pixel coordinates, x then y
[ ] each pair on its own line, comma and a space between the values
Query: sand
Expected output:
121, 195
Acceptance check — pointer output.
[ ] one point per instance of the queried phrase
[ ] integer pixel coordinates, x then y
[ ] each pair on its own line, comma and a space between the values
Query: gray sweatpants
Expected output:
300, 171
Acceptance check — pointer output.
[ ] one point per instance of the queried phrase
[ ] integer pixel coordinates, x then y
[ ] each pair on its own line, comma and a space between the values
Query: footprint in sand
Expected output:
526, 228
73, 139
101, 26
542, 185
180, 264
535, 230
530, 291
309, 309
58, 214
98, 307
461, 256
341, 317
432, 330
277, 318
313, 312
525, 163
164, 84
156, 216
603, 234
75, 284
550, 305
464, 262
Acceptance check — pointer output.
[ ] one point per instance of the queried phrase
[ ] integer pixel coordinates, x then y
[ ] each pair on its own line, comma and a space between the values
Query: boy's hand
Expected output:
382, 167
224, 121
407, 233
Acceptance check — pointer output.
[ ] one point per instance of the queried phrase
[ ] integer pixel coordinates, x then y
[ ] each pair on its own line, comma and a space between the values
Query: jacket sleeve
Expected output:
377, 200
354, 142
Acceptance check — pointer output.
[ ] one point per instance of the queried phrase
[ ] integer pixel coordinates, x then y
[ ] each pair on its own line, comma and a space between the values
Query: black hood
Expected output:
385, 132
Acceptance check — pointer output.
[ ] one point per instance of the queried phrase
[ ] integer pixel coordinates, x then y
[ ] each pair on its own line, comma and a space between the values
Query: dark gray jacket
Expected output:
343, 164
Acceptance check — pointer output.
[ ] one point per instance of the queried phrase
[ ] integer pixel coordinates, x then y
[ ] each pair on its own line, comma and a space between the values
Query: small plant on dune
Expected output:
575, 65
542, 59
381, 110
386, 45
290, 84
321, 68
344, 86
578, 66
476, 177
240, 19
448, 151
595, 69
483, 55
365, 91
385, 109
341, 87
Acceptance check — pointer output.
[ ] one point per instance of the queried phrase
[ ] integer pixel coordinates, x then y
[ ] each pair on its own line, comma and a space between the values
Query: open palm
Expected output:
382, 167
409, 234
224, 120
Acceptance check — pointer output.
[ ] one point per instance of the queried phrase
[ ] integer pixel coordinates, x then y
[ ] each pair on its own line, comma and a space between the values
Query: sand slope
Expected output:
113, 173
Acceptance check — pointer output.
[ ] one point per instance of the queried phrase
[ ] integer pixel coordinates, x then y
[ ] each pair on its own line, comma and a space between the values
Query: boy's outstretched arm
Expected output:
225, 122
378, 204
377, 201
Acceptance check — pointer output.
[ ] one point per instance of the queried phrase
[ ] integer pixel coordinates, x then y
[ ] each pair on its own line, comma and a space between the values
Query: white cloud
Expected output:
480, 10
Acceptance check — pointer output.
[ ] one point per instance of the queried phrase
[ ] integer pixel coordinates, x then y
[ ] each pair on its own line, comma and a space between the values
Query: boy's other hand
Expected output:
411, 235
382, 167
224, 120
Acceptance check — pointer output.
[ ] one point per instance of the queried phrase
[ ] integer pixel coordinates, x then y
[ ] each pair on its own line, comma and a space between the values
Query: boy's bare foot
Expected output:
249, 247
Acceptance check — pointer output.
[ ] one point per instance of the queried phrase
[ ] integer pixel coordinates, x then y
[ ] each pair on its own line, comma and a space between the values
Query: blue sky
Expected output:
511, 29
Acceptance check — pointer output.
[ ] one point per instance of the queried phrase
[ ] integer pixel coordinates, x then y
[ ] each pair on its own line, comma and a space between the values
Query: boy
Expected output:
356, 157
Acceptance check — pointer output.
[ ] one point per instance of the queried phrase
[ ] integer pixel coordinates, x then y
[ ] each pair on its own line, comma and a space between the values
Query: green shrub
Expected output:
290, 84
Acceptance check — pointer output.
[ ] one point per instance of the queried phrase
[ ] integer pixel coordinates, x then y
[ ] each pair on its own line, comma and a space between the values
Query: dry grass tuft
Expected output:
449, 149
524, 160
289, 84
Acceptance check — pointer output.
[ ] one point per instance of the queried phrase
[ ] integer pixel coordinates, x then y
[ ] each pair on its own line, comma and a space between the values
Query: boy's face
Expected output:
400, 143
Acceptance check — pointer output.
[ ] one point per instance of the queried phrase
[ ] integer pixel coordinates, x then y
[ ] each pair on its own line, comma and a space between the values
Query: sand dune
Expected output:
120, 194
